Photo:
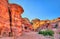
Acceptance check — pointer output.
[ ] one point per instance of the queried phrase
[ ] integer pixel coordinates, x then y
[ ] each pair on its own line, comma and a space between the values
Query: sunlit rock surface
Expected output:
13, 10
4, 17
26, 24
16, 12
42, 24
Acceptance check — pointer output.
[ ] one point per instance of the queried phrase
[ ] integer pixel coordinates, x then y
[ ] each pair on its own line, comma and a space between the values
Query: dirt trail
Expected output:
31, 35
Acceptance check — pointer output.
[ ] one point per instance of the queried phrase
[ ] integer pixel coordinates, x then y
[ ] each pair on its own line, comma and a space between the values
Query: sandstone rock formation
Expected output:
45, 24
27, 26
35, 24
4, 16
10, 17
16, 11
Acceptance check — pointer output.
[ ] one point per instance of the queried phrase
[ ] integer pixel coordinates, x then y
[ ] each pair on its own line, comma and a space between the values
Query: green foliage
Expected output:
46, 32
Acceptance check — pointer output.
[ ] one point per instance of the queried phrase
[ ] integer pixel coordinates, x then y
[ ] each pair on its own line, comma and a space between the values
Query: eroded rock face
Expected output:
27, 26
4, 16
16, 11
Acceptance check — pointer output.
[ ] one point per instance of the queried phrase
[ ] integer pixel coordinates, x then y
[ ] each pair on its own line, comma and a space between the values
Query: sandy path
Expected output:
31, 35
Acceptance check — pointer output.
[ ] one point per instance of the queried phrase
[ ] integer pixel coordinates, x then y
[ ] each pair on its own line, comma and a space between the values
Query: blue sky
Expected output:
42, 9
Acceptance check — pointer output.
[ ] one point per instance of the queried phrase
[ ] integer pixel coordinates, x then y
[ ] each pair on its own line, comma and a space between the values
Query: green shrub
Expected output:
46, 32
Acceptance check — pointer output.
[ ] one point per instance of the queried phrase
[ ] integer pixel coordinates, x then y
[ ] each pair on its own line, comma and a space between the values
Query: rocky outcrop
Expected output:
45, 24
27, 26
10, 17
16, 11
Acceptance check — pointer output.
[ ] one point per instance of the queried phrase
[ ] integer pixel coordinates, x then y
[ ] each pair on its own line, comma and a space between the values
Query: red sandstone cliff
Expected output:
13, 10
